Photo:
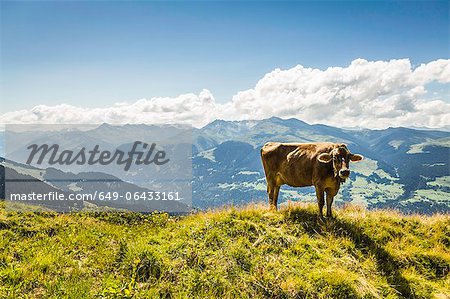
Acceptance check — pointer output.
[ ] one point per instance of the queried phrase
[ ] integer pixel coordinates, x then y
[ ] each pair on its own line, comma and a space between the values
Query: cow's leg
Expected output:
330, 198
271, 192
276, 191
270, 195
320, 200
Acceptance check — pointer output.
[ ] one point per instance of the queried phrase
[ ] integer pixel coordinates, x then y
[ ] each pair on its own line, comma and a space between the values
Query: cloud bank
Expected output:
371, 94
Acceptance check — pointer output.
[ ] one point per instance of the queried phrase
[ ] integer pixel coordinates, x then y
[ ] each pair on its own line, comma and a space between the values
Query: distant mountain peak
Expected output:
250, 123
105, 125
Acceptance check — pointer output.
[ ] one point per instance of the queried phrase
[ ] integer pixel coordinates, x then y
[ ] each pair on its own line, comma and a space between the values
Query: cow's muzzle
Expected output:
343, 174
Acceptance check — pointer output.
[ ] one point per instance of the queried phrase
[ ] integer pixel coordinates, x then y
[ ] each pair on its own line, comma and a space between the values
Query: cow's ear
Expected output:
325, 158
356, 158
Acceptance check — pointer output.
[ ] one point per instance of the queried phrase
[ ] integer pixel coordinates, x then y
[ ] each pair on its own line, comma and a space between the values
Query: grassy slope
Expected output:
231, 253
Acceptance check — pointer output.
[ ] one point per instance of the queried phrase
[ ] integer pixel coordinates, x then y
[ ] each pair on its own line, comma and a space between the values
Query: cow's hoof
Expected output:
321, 219
273, 208
329, 224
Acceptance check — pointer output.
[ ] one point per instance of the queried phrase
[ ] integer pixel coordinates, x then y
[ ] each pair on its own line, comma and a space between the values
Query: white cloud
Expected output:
373, 94
370, 94
186, 109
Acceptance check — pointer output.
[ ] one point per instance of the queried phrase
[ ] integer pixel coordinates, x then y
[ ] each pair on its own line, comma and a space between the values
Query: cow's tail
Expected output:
263, 161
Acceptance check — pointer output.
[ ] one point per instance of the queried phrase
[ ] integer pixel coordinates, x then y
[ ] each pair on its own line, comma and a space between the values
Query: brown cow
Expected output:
323, 165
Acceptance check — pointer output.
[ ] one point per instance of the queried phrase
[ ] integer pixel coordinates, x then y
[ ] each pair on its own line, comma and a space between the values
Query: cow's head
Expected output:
340, 157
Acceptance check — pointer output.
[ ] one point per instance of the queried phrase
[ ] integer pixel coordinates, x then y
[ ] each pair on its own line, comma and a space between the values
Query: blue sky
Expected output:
93, 54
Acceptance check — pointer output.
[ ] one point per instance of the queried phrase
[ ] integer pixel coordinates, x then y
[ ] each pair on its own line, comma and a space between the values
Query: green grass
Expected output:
229, 253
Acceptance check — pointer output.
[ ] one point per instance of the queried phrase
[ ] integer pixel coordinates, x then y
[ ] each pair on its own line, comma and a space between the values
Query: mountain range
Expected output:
405, 169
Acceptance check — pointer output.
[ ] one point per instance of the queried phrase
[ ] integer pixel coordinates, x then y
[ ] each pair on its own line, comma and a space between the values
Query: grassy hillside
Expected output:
231, 253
